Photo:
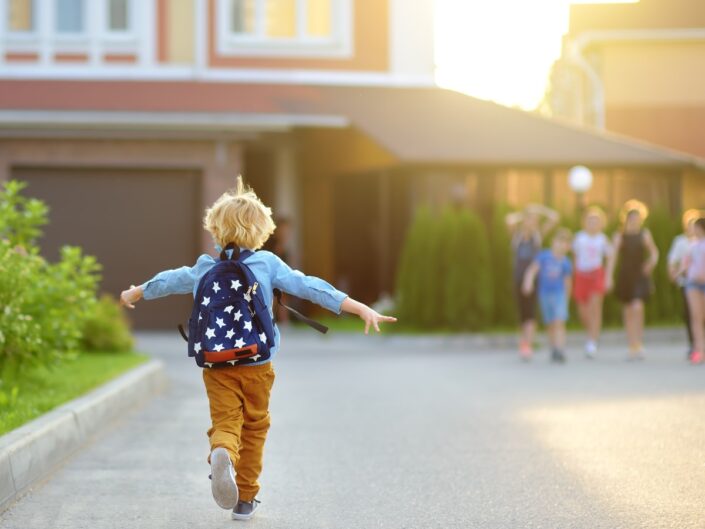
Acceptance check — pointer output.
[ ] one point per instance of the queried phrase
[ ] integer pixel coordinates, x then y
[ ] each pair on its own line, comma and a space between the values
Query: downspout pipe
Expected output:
580, 43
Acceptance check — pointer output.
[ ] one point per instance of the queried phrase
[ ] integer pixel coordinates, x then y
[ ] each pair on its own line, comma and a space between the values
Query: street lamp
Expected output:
580, 181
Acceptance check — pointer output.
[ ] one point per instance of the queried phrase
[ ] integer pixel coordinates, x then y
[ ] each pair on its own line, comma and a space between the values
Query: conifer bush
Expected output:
500, 247
444, 278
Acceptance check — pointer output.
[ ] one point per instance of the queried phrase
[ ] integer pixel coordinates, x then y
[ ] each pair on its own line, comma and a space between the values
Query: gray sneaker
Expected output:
223, 484
244, 510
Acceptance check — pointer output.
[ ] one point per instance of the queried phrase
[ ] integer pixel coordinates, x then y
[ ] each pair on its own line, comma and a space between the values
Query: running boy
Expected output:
554, 271
239, 395
591, 247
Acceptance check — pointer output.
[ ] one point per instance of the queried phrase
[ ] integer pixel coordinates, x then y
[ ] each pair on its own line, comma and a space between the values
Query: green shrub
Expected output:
665, 304
469, 296
500, 246
444, 277
21, 336
106, 328
418, 299
42, 305
21, 218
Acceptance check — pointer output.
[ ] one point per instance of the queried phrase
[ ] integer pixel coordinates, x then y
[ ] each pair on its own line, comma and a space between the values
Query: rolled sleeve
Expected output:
181, 280
311, 288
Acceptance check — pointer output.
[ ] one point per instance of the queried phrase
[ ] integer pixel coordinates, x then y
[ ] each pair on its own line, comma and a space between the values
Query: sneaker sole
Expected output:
244, 517
223, 484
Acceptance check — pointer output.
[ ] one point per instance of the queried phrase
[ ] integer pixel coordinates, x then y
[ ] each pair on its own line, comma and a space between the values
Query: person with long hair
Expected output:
528, 228
676, 270
694, 267
636, 252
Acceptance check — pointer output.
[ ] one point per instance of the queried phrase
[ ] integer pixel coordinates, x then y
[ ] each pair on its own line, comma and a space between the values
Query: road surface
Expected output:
375, 433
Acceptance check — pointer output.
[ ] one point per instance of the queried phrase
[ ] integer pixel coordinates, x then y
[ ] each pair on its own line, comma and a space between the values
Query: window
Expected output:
20, 16
281, 19
118, 15
285, 28
69, 16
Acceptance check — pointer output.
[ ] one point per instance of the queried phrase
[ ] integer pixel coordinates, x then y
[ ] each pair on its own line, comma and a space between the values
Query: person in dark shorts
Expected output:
637, 255
528, 228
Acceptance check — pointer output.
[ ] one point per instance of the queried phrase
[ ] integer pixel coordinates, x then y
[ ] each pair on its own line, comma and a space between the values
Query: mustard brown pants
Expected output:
239, 404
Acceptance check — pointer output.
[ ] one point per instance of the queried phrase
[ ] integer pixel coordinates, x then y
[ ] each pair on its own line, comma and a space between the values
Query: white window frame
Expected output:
95, 40
338, 45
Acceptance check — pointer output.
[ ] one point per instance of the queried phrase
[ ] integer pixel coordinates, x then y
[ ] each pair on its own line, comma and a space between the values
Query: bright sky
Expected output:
500, 49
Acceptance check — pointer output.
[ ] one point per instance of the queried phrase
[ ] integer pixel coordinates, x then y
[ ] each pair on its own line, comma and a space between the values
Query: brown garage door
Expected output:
136, 222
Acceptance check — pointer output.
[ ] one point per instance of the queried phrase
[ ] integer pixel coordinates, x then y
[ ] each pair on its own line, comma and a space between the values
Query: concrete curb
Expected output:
32, 451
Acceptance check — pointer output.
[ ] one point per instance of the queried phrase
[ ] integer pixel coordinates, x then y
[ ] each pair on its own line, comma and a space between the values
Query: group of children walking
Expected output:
599, 265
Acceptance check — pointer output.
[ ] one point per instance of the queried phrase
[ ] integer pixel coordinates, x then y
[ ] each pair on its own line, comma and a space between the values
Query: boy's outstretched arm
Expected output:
177, 281
366, 314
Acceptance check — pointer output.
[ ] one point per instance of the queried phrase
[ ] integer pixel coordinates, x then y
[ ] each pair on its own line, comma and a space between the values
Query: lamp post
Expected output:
580, 181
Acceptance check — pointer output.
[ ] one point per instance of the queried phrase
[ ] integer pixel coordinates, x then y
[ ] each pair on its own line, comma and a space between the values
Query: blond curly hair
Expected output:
239, 217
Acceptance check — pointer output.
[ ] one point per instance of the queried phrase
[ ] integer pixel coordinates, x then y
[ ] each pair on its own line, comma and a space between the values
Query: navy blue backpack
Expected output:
230, 323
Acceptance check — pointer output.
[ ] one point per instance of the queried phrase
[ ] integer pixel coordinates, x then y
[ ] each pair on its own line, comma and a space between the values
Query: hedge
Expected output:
455, 272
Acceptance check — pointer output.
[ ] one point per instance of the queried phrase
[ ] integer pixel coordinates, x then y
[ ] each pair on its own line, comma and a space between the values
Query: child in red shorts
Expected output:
591, 247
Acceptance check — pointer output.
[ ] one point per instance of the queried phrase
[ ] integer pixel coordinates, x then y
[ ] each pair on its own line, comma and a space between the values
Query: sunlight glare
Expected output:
500, 50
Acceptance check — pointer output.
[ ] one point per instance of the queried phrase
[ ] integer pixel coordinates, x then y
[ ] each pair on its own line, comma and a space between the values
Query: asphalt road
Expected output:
382, 433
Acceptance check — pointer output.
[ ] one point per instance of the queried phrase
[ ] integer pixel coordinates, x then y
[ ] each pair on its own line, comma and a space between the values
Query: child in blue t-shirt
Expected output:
554, 272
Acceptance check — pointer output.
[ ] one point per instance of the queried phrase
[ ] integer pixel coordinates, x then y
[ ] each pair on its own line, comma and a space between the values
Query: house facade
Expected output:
129, 117
637, 69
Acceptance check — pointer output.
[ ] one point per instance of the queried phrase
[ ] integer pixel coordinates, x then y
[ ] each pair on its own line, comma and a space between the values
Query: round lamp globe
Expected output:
580, 179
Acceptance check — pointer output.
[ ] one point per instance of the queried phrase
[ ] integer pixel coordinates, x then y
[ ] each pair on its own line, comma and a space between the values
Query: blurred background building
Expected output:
637, 69
130, 116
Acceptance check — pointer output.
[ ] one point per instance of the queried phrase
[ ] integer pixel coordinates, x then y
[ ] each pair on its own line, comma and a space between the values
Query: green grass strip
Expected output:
41, 389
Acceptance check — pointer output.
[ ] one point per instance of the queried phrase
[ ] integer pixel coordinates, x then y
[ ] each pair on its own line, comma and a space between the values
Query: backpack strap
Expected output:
308, 321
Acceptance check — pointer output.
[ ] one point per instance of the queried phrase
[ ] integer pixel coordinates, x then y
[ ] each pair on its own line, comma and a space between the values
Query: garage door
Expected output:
136, 222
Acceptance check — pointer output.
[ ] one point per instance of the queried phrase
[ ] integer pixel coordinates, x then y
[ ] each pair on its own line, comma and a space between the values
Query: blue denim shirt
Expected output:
269, 270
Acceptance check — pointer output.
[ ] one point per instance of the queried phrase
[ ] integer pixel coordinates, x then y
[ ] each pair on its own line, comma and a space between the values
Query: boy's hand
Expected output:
129, 297
374, 318
369, 316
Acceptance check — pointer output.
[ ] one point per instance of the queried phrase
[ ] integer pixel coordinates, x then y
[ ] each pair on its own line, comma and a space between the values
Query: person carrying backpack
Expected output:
233, 337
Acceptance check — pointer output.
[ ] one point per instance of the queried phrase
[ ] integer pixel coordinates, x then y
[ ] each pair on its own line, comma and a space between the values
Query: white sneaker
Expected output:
223, 484
244, 510
590, 349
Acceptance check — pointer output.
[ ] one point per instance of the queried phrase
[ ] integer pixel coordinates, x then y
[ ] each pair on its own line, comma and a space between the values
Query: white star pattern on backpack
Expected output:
239, 343
218, 347
235, 284
248, 325
229, 335
237, 316
216, 287
210, 333
228, 309
197, 347
205, 301
219, 322
263, 338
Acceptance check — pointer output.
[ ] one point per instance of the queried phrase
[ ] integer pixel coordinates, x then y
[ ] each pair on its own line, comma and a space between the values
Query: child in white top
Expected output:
591, 248
694, 268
